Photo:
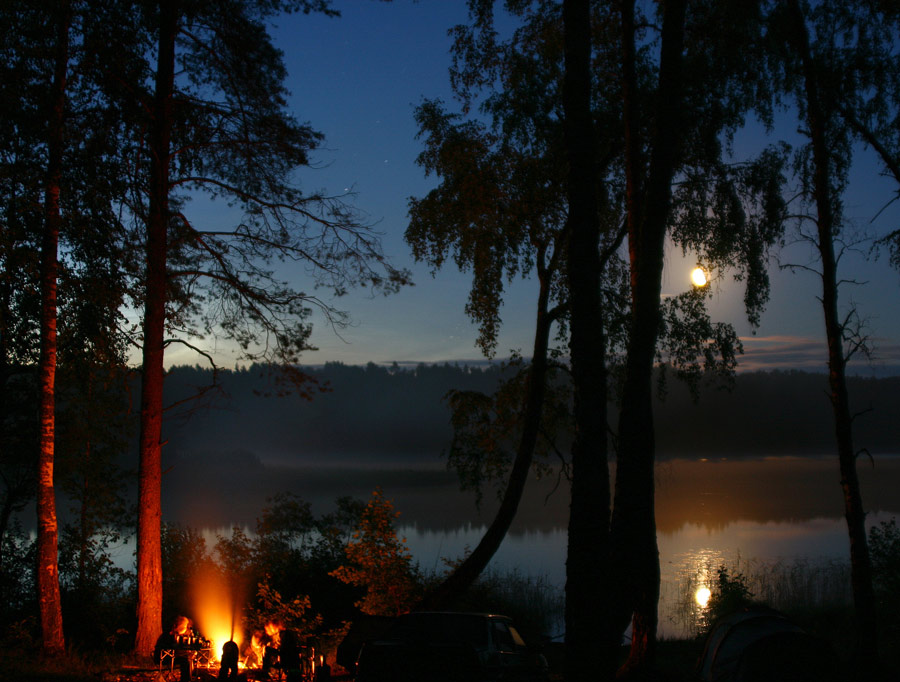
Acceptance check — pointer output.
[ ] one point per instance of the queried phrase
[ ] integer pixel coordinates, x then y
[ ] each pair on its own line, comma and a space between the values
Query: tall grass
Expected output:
799, 586
535, 604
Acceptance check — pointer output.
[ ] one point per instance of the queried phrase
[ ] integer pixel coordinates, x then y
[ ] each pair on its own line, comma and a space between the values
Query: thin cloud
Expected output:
766, 353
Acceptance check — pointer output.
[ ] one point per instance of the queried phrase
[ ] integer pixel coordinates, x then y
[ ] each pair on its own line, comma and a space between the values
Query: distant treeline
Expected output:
391, 414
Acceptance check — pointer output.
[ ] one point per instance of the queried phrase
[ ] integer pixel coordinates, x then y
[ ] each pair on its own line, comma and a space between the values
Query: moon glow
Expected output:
698, 277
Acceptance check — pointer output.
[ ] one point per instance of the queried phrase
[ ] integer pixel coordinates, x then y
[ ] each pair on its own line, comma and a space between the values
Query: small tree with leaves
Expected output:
379, 562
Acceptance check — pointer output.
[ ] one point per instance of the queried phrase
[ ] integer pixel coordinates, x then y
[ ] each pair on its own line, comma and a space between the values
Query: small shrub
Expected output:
379, 562
729, 593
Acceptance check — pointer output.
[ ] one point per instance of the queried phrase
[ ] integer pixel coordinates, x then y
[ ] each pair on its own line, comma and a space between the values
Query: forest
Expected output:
585, 140
394, 414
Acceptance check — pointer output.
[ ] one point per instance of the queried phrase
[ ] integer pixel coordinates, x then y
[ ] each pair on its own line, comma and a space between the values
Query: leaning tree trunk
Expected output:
634, 521
149, 549
50, 607
860, 561
591, 639
448, 591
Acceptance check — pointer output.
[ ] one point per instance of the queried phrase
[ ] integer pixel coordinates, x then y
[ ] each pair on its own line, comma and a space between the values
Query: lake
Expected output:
762, 514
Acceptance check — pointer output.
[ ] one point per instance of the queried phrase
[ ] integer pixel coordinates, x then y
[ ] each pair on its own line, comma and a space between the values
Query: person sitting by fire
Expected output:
173, 643
228, 668
289, 656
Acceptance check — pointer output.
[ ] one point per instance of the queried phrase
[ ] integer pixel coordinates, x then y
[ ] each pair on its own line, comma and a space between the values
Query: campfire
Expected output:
225, 644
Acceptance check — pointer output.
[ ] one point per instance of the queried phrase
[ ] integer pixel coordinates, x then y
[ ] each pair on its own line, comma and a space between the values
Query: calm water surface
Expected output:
762, 513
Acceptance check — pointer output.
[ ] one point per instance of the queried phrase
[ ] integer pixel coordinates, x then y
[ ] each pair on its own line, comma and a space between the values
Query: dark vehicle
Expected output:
450, 647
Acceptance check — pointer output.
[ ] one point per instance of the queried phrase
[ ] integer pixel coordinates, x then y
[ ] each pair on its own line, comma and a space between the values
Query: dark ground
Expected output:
676, 662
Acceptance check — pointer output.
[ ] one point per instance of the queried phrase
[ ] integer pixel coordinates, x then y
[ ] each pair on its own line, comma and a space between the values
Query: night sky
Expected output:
357, 79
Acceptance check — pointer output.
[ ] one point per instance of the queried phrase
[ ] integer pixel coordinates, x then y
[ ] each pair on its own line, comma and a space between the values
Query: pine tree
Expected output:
219, 124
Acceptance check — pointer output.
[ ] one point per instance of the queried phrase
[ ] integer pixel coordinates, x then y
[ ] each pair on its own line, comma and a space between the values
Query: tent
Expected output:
758, 644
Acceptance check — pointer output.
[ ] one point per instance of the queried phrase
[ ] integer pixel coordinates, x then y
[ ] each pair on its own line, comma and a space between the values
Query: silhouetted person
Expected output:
228, 670
290, 656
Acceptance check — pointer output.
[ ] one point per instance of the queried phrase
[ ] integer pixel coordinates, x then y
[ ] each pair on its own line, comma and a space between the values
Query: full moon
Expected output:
698, 277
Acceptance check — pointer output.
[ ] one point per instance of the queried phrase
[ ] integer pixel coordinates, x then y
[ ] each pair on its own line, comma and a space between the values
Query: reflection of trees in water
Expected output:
715, 494
204, 491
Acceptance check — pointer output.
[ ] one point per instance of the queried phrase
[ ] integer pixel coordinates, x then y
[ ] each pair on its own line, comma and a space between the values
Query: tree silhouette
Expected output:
491, 234
590, 596
494, 237
828, 79
679, 113
500, 212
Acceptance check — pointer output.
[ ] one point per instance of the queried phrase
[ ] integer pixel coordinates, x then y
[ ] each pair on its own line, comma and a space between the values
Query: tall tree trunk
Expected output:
860, 561
468, 571
47, 526
634, 520
592, 641
149, 549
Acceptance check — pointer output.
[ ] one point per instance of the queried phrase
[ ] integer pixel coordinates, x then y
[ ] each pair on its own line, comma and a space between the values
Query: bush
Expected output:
729, 593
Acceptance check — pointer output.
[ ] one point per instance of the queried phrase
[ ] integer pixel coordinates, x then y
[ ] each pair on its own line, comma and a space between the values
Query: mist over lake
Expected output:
761, 451
209, 491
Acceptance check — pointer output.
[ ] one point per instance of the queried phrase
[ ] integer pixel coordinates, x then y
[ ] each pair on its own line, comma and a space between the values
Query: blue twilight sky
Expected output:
357, 79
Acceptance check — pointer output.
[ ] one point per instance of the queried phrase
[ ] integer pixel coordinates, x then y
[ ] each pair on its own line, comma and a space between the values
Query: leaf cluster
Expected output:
497, 211
731, 215
487, 427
